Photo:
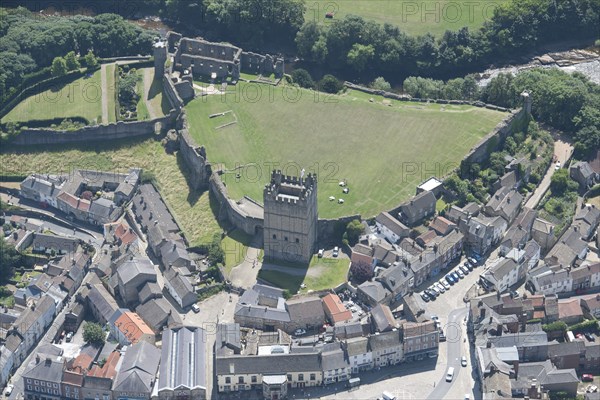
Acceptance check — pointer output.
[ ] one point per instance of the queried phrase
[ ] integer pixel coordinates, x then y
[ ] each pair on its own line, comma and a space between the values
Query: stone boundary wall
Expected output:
405, 97
113, 131
169, 89
194, 156
126, 58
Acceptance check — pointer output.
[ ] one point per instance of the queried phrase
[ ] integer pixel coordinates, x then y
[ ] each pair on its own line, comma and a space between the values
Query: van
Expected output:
352, 383
388, 396
450, 374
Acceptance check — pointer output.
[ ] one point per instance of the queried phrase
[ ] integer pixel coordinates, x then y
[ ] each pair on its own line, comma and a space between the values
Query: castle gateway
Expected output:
290, 225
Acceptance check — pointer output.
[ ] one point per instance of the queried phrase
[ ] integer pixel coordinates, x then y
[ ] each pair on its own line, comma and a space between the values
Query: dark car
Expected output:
431, 293
469, 265
590, 336
450, 279
425, 297
455, 276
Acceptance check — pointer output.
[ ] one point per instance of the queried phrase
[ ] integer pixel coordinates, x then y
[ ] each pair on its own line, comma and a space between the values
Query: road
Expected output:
563, 151
455, 332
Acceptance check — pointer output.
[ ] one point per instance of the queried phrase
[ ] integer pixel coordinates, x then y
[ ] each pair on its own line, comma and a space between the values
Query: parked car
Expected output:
299, 332
195, 308
9, 389
425, 297
464, 269
434, 318
463, 361
459, 273
321, 252
557, 166
434, 289
455, 276
442, 336
431, 294
336, 251
590, 336
587, 378
592, 389
468, 265
444, 284
440, 287
69, 336
450, 279
472, 261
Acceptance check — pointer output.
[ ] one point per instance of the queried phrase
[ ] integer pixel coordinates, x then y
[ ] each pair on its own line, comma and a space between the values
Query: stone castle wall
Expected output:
97, 133
254, 63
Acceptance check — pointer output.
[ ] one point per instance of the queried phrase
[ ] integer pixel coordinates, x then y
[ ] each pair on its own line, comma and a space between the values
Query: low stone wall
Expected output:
194, 156
405, 97
113, 131
126, 58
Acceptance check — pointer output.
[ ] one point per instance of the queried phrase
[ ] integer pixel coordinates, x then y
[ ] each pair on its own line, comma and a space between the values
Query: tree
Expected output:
361, 272
93, 333
59, 66
71, 61
359, 55
91, 61
9, 258
381, 84
353, 231
559, 183
330, 84
215, 251
302, 78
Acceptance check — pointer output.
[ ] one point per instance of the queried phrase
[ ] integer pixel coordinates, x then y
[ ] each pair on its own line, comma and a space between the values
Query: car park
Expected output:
434, 289
431, 294
472, 261
463, 361
468, 265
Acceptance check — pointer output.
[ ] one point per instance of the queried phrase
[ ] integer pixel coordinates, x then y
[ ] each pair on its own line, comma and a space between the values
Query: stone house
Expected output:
392, 229
137, 373
43, 377
542, 232
335, 310
418, 208
131, 276
387, 348
420, 340
505, 203
305, 312
396, 282
358, 353
180, 288
582, 173
335, 364
129, 328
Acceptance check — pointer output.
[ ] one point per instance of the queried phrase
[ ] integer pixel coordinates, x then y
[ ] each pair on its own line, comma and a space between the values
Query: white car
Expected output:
432, 287
460, 273
321, 252
195, 308
299, 332
9, 389
464, 269
445, 284
557, 166
440, 287
336, 251
463, 361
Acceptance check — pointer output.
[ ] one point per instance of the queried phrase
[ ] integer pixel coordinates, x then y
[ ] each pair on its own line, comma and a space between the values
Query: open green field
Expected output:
80, 98
382, 149
192, 209
322, 273
413, 17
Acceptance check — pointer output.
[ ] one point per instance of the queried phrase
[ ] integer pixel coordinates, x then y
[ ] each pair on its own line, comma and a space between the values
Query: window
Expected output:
28, 380
56, 385
36, 382
228, 380
300, 377
274, 236
297, 240
285, 238
313, 377
241, 379
44, 383
253, 379
28, 386
290, 377
55, 391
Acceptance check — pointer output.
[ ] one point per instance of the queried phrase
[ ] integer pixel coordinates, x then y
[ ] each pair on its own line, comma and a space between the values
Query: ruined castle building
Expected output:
290, 225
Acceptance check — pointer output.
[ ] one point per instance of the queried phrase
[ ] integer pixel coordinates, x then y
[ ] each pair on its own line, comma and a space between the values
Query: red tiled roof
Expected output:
109, 370
569, 308
537, 300
125, 234
132, 326
335, 308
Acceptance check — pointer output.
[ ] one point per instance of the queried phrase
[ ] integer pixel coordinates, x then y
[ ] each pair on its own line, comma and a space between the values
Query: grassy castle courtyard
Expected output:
381, 148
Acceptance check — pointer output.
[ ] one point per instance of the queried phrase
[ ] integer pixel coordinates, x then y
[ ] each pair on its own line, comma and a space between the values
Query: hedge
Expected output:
555, 326
45, 123
589, 325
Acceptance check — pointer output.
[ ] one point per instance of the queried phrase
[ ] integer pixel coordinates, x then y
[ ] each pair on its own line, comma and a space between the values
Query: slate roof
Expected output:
150, 290
334, 360
423, 200
375, 290
49, 369
133, 268
183, 359
500, 269
441, 225
138, 369
180, 284
520, 340
382, 318
64, 243
305, 307
158, 313
272, 364
385, 219
395, 276
102, 301
357, 346
384, 341
155, 209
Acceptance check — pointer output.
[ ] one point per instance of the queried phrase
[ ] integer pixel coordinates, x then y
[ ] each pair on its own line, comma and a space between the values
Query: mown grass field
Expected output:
111, 88
382, 149
192, 209
413, 17
80, 98
322, 273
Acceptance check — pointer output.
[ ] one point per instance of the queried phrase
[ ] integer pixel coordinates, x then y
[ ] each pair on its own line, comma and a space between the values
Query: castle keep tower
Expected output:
160, 57
290, 225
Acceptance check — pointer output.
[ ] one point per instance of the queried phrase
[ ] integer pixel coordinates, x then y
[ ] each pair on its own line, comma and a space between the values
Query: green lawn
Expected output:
382, 151
192, 209
110, 78
80, 98
235, 245
322, 273
416, 18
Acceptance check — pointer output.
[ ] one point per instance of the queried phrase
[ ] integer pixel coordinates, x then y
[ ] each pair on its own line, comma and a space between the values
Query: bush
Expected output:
585, 326
555, 326
361, 272
353, 231
330, 84
380, 84
302, 78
